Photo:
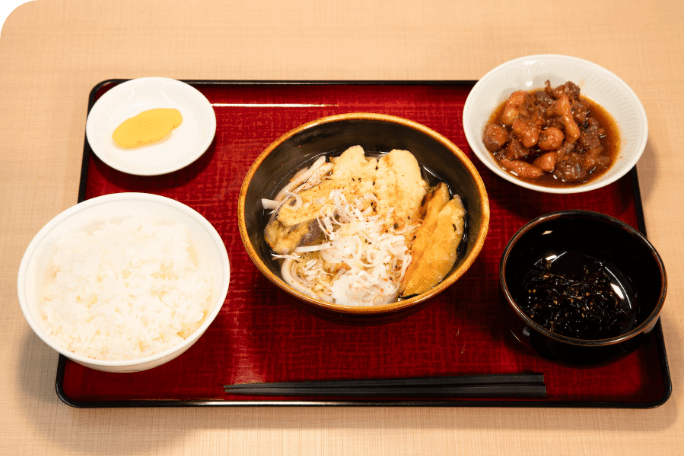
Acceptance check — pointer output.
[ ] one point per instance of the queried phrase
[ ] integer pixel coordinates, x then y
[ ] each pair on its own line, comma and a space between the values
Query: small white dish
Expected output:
184, 145
595, 82
88, 216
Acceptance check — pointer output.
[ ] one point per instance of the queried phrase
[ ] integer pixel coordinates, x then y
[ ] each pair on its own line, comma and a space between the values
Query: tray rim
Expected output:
657, 331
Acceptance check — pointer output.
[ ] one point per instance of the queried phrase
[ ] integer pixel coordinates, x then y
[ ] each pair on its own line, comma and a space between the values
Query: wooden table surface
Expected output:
53, 52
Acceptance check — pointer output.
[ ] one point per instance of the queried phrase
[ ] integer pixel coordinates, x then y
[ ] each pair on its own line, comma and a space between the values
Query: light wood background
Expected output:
53, 52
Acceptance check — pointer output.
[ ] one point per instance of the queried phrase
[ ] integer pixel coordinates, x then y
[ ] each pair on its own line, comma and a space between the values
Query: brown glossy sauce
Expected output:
610, 142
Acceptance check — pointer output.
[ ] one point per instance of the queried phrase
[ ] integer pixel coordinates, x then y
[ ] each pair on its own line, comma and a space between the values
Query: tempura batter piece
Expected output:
434, 201
399, 184
290, 228
434, 250
394, 179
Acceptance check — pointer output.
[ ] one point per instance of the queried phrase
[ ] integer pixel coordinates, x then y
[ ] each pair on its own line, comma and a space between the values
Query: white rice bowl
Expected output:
126, 291
124, 282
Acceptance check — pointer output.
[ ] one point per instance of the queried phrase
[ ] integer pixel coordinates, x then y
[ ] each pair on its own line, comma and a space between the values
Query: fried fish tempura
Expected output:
437, 239
395, 180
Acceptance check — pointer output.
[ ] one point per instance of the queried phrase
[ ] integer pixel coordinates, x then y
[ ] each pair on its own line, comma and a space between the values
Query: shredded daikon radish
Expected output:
270, 204
312, 248
363, 249
363, 260
298, 200
293, 256
299, 178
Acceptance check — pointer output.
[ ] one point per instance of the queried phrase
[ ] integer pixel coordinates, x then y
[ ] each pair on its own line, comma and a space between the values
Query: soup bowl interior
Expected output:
377, 134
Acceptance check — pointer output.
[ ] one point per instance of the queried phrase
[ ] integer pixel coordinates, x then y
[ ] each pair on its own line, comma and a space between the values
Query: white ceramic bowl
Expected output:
595, 82
89, 215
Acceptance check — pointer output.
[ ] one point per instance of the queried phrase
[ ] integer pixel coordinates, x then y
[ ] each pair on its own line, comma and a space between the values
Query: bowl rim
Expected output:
384, 309
619, 224
105, 199
476, 143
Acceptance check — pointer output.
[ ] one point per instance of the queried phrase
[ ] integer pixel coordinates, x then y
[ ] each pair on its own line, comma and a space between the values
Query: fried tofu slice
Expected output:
434, 249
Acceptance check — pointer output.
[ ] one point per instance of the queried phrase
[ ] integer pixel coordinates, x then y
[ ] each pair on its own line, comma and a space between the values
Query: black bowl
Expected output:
571, 241
377, 134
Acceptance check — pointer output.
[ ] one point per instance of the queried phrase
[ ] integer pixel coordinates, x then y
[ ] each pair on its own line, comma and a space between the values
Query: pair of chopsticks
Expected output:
488, 385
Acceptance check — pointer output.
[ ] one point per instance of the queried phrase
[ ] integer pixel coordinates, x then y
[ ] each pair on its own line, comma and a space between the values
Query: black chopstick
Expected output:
486, 379
513, 385
506, 390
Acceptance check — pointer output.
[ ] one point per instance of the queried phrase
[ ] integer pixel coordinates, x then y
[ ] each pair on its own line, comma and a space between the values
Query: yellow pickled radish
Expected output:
174, 115
147, 127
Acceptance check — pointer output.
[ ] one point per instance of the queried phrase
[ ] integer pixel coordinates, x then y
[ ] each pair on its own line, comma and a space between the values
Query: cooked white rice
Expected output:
126, 291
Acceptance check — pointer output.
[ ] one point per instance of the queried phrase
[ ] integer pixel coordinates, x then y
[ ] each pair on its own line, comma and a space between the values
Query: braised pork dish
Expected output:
552, 137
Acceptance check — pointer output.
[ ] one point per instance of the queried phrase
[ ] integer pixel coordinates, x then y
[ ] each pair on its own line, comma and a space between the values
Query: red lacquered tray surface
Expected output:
262, 335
